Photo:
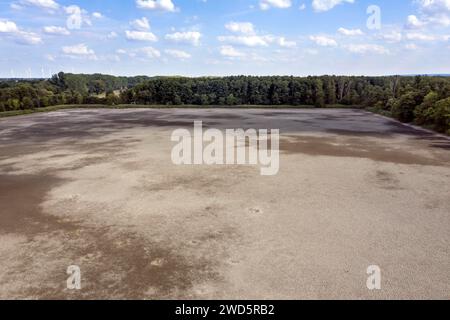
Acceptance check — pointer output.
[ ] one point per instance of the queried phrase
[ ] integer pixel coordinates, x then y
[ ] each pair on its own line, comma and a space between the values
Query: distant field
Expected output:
130, 106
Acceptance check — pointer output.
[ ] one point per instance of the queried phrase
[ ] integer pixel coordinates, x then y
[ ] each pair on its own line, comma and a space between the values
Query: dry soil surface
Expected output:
98, 189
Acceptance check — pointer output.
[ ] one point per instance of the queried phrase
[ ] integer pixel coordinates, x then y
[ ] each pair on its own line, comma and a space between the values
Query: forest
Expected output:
423, 100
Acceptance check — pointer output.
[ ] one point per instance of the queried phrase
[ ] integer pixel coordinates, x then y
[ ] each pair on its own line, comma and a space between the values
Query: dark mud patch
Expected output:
91, 125
387, 180
124, 265
17, 149
354, 148
197, 183
116, 263
436, 141
20, 200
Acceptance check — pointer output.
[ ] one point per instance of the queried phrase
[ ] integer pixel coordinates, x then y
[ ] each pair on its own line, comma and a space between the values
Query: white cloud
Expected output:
391, 37
240, 27
230, 51
433, 12
285, 43
249, 41
28, 38
143, 53
7, 26
97, 15
140, 36
434, 6
247, 36
78, 50
15, 6
280, 4
420, 36
441, 19
325, 5
46, 4
163, 5
324, 41
367, 48
350, 32
112, 35
150, 52
56, 30
12, 31
414, 23
191, 37
178, 54
141, 24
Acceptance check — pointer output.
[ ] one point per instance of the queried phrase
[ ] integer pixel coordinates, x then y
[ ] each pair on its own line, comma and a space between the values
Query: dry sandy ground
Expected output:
97, 188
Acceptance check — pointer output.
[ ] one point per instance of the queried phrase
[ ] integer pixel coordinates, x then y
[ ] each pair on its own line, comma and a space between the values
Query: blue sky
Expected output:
224, 37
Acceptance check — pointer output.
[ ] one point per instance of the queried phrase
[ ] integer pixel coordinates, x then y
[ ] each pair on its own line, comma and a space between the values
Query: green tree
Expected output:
231, 100
403, 109
442, 116
423, 114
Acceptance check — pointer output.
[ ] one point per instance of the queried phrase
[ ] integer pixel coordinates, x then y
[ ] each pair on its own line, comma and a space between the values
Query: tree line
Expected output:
424, 100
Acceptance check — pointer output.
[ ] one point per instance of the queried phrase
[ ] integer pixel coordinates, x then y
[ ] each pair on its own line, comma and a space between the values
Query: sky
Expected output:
224, 37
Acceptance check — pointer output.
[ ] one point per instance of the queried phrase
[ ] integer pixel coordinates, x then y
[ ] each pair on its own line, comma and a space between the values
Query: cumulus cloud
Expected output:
142, 53
367, 48
324, 41
418, 36
97, 15
56, 30
434, 6
413, 22
350, 32
178, 54
285, 43
190, 37
141, 24
150, 52
10, 30
112, 35
431, 12
31, 38
240, 27
231, 52
45, 4
245, 35
163, 5
7, 26
391, 37
79, 49
249, 41
140, 36
325, 5
281, 4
